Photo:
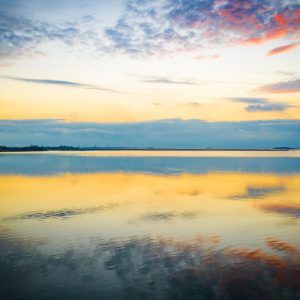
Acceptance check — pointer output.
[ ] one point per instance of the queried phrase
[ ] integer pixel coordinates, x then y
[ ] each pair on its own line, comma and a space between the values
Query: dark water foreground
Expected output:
74, 227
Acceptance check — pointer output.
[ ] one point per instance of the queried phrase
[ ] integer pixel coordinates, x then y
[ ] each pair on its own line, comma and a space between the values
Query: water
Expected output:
150, 225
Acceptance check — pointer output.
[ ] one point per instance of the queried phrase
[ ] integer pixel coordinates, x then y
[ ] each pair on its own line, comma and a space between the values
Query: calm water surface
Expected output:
150, 226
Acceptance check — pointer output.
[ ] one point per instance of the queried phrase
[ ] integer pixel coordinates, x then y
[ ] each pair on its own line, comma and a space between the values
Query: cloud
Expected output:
21, 34
191, 104
289, 86
273, 34
61, 83
208, 57
261, 104
161, 133
162, 27
282, 49
165, 80
153, 27
288, 74
46, 81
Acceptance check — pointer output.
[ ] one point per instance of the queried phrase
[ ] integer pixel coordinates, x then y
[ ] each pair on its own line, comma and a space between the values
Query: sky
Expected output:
232, 66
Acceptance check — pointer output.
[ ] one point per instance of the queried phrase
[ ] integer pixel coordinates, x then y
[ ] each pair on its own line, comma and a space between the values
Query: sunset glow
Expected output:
135, 61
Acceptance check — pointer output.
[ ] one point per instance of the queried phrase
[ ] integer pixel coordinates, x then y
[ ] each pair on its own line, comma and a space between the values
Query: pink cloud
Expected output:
234, 20
208, 57
195, 25
279, 18
289, 86
273, 34
282, 49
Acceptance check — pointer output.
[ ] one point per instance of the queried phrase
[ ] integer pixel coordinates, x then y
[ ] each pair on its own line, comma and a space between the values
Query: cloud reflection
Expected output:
154, 268
169, 215
62, 214
170, 240
282, 209
254, 192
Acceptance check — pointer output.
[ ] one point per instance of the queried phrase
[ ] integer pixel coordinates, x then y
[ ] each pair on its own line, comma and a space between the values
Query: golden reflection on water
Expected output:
30, 193
131, 236
175, 205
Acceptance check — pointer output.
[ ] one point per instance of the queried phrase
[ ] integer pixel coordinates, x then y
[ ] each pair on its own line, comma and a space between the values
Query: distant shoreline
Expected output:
73, 149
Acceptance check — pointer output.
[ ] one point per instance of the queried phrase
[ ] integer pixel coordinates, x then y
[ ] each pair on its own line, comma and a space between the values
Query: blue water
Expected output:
50, 164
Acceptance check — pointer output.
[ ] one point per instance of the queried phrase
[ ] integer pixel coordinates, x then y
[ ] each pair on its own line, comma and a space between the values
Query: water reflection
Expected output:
130, 235
167, 216
52, 164
289, 210
254, 192
60, 214
161, 268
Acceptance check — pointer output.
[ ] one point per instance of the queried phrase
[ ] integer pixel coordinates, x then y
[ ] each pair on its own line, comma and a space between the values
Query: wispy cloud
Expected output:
288, 74
62, 83
164, 80
191, 104
208, 57
261, 104
288, 86
282, 49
